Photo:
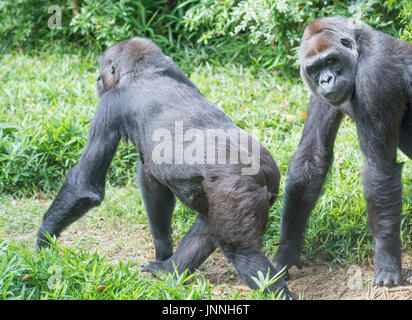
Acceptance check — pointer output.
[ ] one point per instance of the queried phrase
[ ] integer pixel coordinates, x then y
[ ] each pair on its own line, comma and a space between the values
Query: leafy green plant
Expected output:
264, 281
268, 33
261, 33
91, 23
405, 16
106, 24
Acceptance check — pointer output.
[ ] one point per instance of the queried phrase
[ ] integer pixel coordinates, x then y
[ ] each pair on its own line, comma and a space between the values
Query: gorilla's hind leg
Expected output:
239, 220
195, 247
248, 262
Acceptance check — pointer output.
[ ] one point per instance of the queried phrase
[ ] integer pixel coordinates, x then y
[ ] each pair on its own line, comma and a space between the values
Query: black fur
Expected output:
354, 69
142, 91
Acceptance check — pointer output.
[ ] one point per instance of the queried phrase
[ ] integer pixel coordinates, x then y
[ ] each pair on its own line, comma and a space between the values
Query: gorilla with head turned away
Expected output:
352, 69
190, 150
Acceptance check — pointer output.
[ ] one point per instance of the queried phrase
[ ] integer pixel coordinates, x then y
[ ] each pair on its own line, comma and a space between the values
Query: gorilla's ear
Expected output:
358, 36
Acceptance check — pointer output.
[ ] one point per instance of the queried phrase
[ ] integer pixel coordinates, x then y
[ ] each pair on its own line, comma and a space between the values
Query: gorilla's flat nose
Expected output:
327, 79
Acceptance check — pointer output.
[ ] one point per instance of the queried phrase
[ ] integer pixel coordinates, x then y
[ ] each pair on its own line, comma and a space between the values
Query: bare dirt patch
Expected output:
323, 281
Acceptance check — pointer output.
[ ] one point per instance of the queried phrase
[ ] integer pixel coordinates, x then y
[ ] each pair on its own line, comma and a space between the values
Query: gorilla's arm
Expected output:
306, 174
85, 182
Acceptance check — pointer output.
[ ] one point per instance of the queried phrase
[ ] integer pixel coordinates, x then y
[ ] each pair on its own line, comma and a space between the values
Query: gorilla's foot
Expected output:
387, 277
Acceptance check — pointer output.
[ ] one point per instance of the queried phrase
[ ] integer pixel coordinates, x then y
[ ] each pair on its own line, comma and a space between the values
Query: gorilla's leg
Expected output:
85, 183
238, 215
382, 186
307, 172
248, 262
159, 202
195, 247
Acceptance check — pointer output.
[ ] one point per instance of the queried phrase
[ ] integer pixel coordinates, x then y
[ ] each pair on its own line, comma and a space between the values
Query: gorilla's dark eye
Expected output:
330, 61
112, 70
346, 43
312, 69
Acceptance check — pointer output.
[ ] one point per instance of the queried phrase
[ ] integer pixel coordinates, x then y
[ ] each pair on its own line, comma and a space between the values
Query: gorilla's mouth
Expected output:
335, 97
331, 95
100, 89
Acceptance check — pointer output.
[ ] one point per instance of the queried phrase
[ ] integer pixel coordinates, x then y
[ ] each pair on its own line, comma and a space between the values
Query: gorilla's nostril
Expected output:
326, 80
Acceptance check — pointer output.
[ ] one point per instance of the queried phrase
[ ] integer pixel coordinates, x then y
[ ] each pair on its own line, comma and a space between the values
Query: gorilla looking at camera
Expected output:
351, 68
144, 93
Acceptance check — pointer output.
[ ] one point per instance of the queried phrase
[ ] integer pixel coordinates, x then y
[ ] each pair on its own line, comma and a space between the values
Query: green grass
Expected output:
88, 259
46, 103
64, 273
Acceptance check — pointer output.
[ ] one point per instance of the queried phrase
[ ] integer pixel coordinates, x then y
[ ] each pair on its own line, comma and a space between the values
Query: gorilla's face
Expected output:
328, 66
109, 68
